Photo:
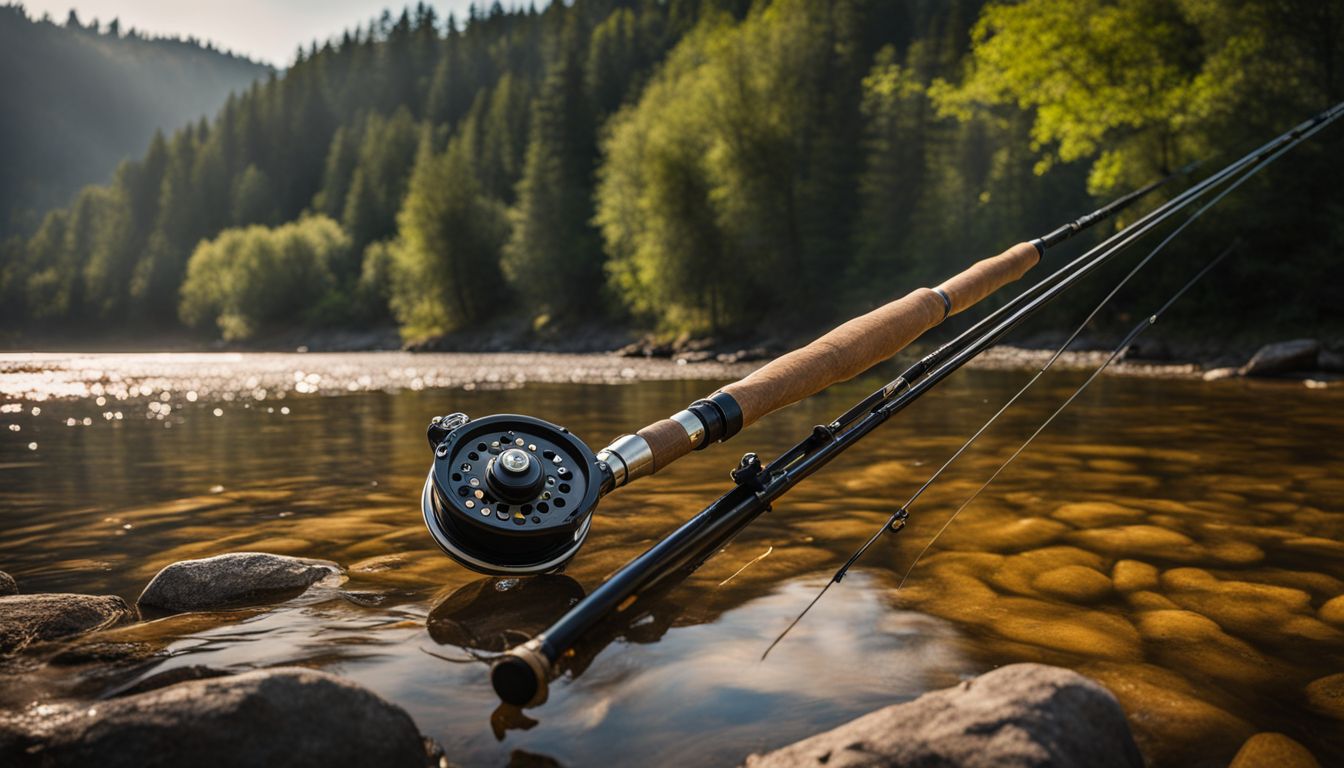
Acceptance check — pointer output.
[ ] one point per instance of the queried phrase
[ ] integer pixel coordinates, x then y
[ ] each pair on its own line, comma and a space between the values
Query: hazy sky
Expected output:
268, 31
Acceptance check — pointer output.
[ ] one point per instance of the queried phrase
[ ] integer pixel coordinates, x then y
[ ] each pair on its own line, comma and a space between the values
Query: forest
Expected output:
700, 166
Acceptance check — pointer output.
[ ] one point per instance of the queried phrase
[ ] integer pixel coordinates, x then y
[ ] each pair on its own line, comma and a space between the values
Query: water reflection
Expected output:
1177, 540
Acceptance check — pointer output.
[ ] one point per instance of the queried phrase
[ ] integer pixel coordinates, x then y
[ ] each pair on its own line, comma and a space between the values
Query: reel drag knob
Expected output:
509, 494
515, 477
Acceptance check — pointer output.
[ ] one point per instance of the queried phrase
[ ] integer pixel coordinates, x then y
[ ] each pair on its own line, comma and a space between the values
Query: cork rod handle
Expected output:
839, 355
867, 340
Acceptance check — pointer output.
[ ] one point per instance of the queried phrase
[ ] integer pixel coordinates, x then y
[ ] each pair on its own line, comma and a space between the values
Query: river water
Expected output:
1175, 539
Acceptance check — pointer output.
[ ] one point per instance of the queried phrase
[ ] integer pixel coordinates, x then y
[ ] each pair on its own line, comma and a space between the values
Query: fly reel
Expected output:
509, 494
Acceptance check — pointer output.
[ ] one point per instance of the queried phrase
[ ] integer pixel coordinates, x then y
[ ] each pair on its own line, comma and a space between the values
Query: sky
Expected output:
265, 31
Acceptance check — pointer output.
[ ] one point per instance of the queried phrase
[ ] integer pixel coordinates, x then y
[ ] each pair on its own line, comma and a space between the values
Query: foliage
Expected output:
720, 166
443, 271
255, 278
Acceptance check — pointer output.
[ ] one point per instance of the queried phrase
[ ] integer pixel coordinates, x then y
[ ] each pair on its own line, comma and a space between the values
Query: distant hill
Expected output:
78, 99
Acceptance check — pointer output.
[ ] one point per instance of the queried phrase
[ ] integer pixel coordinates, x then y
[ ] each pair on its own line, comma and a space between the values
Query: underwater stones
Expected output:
1144, 600
1273, 750
282, 716
1133, 576
234, 579
1019, 715
1133, 541
1235, 552
1004, 534
7, 585
1074, 583
1187, 640
1172, 724
1326, 696
1090, 633
1333, 611
26, 619
1260, 612
1092, 514
1016, 573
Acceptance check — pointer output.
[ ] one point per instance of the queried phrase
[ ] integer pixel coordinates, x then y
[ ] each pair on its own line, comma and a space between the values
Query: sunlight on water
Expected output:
1177, 540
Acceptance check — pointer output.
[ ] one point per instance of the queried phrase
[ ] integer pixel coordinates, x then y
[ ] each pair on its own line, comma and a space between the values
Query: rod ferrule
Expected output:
720, 414
629, 457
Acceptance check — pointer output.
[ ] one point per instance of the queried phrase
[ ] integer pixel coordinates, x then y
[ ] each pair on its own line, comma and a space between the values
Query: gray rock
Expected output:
26, 619
1331, 361
1283, 357
7, 585
235, 579
274, 717
1218, 374
1019, 715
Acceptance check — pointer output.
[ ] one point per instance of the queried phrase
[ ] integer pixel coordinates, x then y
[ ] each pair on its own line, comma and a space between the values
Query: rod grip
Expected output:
861, 343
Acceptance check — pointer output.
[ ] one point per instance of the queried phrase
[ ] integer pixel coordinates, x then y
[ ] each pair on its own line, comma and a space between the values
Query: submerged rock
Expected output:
1173, 722
1273, 750
1075, 583
1283, 357
1189, 641
1134, 576
235, 579
269, 717
1019, 715
1133, 541
1333, 611
7, 585
26, 619
1326, 696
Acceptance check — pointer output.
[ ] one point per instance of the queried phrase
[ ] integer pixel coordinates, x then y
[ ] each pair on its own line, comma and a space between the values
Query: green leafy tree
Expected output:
444, 267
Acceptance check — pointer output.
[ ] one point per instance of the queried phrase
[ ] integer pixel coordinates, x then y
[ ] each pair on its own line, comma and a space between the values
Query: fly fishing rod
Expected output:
520, 677
513, 494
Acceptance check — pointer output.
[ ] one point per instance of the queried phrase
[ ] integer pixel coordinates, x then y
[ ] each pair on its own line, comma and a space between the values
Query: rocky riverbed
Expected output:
116, 714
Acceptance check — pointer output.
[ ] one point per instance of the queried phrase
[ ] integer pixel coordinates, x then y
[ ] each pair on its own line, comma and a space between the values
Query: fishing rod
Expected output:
512, 494
520, 677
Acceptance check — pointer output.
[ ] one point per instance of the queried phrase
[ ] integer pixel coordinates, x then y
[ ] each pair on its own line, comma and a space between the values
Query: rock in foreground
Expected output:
275, 717
26, 619
235, 579
1273, 750
1019, 715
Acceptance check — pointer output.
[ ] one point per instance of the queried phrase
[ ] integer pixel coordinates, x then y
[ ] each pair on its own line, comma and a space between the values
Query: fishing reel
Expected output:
510, 494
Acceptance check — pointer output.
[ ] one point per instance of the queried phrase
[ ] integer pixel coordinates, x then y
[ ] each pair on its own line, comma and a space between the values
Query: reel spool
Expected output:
509, 494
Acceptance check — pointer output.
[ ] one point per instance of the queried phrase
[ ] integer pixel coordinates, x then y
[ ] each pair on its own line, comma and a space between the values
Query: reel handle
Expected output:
839, 355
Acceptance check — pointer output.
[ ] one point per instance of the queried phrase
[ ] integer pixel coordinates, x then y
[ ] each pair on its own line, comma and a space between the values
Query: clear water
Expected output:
1231, 491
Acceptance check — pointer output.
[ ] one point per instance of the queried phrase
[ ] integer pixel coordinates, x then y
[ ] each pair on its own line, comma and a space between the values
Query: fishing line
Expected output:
1116, 353
897, 521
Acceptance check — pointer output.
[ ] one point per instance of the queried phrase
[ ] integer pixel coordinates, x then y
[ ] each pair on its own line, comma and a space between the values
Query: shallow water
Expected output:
1221, 502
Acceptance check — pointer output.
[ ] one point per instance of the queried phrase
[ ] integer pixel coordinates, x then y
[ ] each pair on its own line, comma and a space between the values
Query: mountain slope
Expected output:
77, 101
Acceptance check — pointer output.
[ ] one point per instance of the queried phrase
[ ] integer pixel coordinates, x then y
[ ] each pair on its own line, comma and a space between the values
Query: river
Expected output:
1175, 539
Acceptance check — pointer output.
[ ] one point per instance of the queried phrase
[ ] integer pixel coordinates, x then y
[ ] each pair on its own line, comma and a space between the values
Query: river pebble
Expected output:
1326, 696
1273, 750
1074, 583
1134, 575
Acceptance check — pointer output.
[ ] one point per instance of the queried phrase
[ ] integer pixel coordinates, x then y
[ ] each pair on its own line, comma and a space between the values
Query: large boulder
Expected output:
7, 585
274, 717
232, 580
1283, 357
26, 619
1020, 715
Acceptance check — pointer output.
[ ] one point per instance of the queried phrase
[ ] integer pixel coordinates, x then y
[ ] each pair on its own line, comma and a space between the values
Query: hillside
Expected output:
78, 100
